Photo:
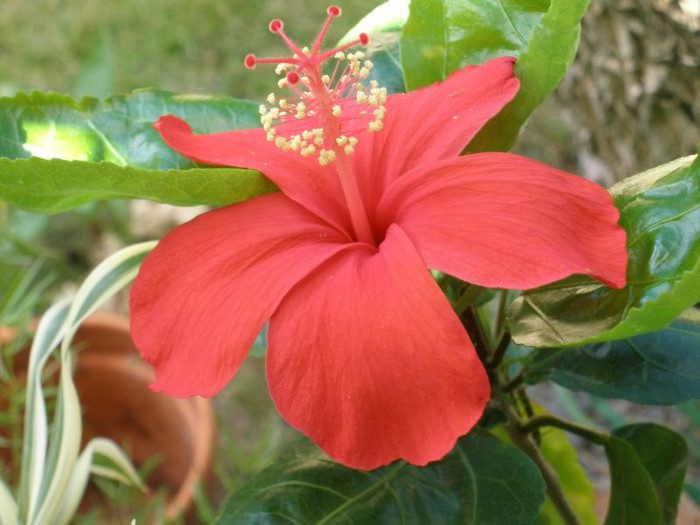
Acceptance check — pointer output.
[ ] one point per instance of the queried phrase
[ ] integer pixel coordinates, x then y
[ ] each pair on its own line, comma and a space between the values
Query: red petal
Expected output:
434, 123
205, 292
367, 358
302, 179
504, 221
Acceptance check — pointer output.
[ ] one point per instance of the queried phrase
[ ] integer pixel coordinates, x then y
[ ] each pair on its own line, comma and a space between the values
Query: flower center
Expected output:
327, 110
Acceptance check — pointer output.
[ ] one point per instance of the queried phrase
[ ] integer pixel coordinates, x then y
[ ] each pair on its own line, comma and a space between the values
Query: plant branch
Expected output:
499, 353
470, 320
525, 443
537, 422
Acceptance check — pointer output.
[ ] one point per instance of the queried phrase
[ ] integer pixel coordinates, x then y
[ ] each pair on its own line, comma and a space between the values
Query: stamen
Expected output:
329, 107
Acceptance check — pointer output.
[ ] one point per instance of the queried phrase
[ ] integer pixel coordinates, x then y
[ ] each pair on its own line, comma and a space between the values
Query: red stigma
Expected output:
293, 77
305, 61
276, 25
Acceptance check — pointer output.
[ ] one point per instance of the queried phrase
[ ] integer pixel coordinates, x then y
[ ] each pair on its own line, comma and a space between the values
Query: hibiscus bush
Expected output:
407, 279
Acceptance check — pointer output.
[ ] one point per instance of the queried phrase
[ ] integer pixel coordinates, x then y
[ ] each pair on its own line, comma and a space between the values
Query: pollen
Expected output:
328, 108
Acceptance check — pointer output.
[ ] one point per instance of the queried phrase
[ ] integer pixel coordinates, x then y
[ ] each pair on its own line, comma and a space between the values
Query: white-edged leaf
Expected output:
110, 276
48, 334
119, 469
105, 280
8, 506
64, 446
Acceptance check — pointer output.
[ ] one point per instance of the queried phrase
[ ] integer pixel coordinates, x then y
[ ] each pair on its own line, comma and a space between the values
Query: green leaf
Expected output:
384, 25
664, 455
633, 497
660, 210
107, 141
660, 368
482, 481
53, 186
442, 36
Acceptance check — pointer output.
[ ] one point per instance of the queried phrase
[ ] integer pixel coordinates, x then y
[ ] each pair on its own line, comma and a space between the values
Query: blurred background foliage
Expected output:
629, 103
186, 46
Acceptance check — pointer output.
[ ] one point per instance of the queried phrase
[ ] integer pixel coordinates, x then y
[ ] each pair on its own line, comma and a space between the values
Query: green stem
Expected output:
525, 443
537, 422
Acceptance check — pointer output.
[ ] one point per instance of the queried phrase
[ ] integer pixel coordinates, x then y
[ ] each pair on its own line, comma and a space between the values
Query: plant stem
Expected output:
537, 422
525, 443
500, 312
470, 320
500, 351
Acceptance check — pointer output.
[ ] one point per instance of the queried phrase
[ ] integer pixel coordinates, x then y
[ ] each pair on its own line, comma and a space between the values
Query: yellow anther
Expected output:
305, 50
318, 141
353, 141
373, 84
368, 64
361, 97
305, 81
301, 110
326, 156
349, 150
271, 99
376, 125
326, 79
282, 82
295, 143
283, 103
342, 140
262, 109
308, 151
336, 111
281, 68
364, 72
339, 55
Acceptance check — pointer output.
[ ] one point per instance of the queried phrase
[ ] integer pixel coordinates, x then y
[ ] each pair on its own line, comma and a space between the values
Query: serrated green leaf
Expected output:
482, 481
660, 368
116, 151
660, 210
664, 455
53, 186
118, 129
442, 36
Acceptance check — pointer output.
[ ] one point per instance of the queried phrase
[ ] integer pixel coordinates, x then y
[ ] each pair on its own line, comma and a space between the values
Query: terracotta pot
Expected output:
112, 383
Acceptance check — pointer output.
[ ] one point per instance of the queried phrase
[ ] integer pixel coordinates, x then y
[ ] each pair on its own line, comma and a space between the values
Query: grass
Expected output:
187, 46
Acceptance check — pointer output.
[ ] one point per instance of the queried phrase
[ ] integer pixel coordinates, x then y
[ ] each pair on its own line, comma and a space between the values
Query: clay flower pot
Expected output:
112, 383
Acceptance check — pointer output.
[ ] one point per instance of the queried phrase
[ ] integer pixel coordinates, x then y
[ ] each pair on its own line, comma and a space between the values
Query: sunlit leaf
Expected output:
116, 153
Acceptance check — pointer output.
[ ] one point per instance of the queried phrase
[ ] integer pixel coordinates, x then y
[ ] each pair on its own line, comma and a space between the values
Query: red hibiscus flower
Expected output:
365, 355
